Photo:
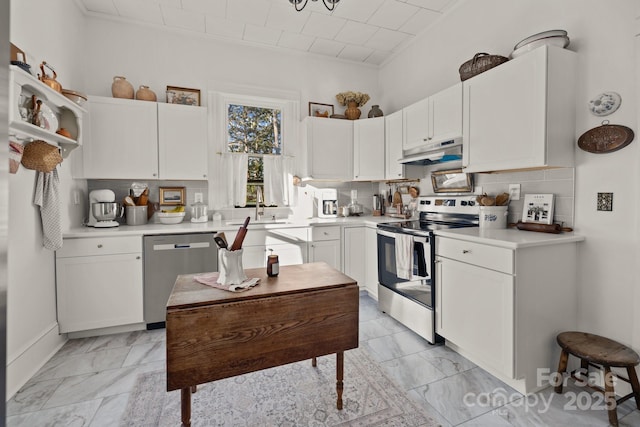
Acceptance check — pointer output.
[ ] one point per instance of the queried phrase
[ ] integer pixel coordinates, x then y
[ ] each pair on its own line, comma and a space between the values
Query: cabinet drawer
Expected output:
491, 257
326, 233
99, 246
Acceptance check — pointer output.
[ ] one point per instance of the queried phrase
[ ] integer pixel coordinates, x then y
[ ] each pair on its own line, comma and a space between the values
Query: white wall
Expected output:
607, 258
51, 34
145, 55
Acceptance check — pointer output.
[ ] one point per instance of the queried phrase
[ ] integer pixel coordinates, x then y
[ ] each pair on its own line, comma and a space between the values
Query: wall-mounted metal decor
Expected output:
606, 138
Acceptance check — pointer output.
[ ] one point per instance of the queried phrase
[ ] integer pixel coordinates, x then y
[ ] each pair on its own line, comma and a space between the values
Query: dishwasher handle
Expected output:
178, 246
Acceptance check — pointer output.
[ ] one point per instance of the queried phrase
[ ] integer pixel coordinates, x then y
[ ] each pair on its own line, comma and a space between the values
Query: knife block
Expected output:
230, 265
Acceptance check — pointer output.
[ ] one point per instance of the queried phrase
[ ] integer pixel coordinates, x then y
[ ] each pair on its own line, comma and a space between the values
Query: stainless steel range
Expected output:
406, 254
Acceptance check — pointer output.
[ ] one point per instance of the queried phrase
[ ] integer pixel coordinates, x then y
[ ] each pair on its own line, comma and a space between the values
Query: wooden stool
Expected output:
602, 353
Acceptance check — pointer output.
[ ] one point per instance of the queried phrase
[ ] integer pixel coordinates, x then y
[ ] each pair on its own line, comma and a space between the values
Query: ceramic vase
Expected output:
146, 94
121, 88
352, 112
375, 111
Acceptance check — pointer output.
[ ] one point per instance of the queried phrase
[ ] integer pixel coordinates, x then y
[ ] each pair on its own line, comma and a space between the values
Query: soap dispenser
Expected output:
199, 210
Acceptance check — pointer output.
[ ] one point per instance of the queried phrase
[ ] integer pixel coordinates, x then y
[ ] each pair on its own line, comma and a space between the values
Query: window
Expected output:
256, 130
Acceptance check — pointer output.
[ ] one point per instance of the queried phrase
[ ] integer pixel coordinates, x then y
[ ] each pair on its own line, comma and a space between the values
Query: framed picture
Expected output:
451, 181
172, 195
320, 110
538, 208
183, 95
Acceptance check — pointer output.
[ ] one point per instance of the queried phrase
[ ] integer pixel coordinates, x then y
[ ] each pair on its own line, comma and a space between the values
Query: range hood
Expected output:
430, 154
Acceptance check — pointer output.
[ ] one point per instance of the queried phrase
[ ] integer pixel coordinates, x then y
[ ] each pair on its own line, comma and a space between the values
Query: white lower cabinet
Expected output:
502, 308
371, 261
475, 309
354, 254
361, 257
99, 283
325, 246
290, 244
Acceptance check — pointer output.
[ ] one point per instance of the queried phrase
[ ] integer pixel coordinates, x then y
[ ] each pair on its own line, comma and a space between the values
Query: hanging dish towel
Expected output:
48, 198
404, 256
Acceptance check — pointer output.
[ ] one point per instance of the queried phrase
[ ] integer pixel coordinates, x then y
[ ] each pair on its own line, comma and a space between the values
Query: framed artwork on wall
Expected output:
538, 208
320, 110
172, 196
183, 95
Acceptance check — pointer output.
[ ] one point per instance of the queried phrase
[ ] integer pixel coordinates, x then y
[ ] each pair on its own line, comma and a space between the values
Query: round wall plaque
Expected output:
606, 138
605, 103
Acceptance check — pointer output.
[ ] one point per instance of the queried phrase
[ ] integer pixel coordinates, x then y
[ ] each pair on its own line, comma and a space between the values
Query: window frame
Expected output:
287, 101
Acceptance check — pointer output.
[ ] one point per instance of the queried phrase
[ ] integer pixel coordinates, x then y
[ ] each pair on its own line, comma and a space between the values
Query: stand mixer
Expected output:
103, 209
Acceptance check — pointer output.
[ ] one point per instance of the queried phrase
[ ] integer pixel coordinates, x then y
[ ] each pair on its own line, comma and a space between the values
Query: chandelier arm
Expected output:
332, 2
297, 2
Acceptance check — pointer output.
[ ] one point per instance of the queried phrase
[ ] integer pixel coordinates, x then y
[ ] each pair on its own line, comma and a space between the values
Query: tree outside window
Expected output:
257, 131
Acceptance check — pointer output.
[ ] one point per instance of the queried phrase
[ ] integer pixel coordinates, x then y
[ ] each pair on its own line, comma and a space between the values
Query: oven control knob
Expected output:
471, 202
463, 203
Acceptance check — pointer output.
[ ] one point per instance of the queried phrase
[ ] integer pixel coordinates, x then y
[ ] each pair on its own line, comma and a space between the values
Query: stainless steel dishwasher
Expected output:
167, 256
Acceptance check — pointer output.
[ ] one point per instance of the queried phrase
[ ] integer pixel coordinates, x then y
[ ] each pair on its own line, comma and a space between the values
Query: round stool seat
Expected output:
597, 349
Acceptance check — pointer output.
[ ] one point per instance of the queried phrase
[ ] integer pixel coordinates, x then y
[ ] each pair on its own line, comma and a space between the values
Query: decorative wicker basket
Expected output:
480, 63
40, 156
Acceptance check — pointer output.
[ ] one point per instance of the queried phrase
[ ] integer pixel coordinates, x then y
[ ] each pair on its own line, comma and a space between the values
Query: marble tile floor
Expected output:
87, 383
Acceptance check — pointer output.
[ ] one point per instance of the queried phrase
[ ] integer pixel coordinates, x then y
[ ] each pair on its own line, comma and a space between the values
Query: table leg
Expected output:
339, 377
314, 363
185, 406
562, 367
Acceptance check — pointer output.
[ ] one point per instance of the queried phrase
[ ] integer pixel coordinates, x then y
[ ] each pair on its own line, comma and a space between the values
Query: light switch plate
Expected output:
514, 191
605, 202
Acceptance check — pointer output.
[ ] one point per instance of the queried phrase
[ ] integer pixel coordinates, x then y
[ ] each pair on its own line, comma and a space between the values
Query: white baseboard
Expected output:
32, 358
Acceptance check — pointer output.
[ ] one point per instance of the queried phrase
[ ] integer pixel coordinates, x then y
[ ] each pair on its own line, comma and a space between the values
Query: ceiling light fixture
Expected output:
329, 4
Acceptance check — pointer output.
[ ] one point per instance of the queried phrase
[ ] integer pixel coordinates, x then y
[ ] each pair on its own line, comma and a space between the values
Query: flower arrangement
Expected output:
358, 97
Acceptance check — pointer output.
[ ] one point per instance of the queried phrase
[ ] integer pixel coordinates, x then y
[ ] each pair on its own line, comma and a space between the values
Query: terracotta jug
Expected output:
352, 112
146, 94
121, 88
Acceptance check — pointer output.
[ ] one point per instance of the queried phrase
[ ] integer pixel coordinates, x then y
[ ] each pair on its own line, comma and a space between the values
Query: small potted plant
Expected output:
352, 100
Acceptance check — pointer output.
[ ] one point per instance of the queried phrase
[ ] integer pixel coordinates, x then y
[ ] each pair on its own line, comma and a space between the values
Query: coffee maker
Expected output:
327, 203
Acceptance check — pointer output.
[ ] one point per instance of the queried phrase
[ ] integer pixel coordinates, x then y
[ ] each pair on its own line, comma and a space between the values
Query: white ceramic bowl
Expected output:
560, 41
170, 217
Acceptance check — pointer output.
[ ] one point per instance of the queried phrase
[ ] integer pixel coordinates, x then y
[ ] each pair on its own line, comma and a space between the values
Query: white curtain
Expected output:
233, 178
278, 181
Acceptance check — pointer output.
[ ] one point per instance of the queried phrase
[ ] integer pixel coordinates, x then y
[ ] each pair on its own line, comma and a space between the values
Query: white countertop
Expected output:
210, 226
510, 238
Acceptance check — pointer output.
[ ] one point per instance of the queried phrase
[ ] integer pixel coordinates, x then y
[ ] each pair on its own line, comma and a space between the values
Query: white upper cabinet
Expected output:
368, 149
393, 146
434, 119
329, 148
415, 123
145, 140
182, 141
123, 139
521, 114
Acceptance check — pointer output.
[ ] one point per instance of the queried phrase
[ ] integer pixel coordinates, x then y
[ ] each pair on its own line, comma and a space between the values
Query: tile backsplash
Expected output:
121, 188
559, 182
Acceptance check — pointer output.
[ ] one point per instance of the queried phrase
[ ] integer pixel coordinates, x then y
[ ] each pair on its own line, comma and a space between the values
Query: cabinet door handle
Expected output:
465, 251
138, 257
100, 245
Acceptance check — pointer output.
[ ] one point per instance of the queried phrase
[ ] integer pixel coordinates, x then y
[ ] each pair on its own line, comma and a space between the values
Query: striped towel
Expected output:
47, 196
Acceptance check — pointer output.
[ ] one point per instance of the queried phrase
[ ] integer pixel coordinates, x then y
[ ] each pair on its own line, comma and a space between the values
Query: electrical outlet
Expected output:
514, 191
76, 197
605, 201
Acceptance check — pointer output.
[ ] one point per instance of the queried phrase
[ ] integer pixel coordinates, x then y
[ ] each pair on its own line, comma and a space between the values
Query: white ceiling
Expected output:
367, 31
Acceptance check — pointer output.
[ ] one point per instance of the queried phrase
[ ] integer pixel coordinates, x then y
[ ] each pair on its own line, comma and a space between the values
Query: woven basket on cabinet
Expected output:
480, 63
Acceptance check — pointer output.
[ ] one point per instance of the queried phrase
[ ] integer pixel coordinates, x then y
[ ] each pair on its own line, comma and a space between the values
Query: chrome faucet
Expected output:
259, 199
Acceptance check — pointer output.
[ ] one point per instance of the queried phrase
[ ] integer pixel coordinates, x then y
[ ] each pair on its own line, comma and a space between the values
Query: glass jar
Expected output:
273, 265
199, 210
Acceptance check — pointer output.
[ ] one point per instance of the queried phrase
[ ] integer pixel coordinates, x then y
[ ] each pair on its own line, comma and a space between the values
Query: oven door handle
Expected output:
392, 235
